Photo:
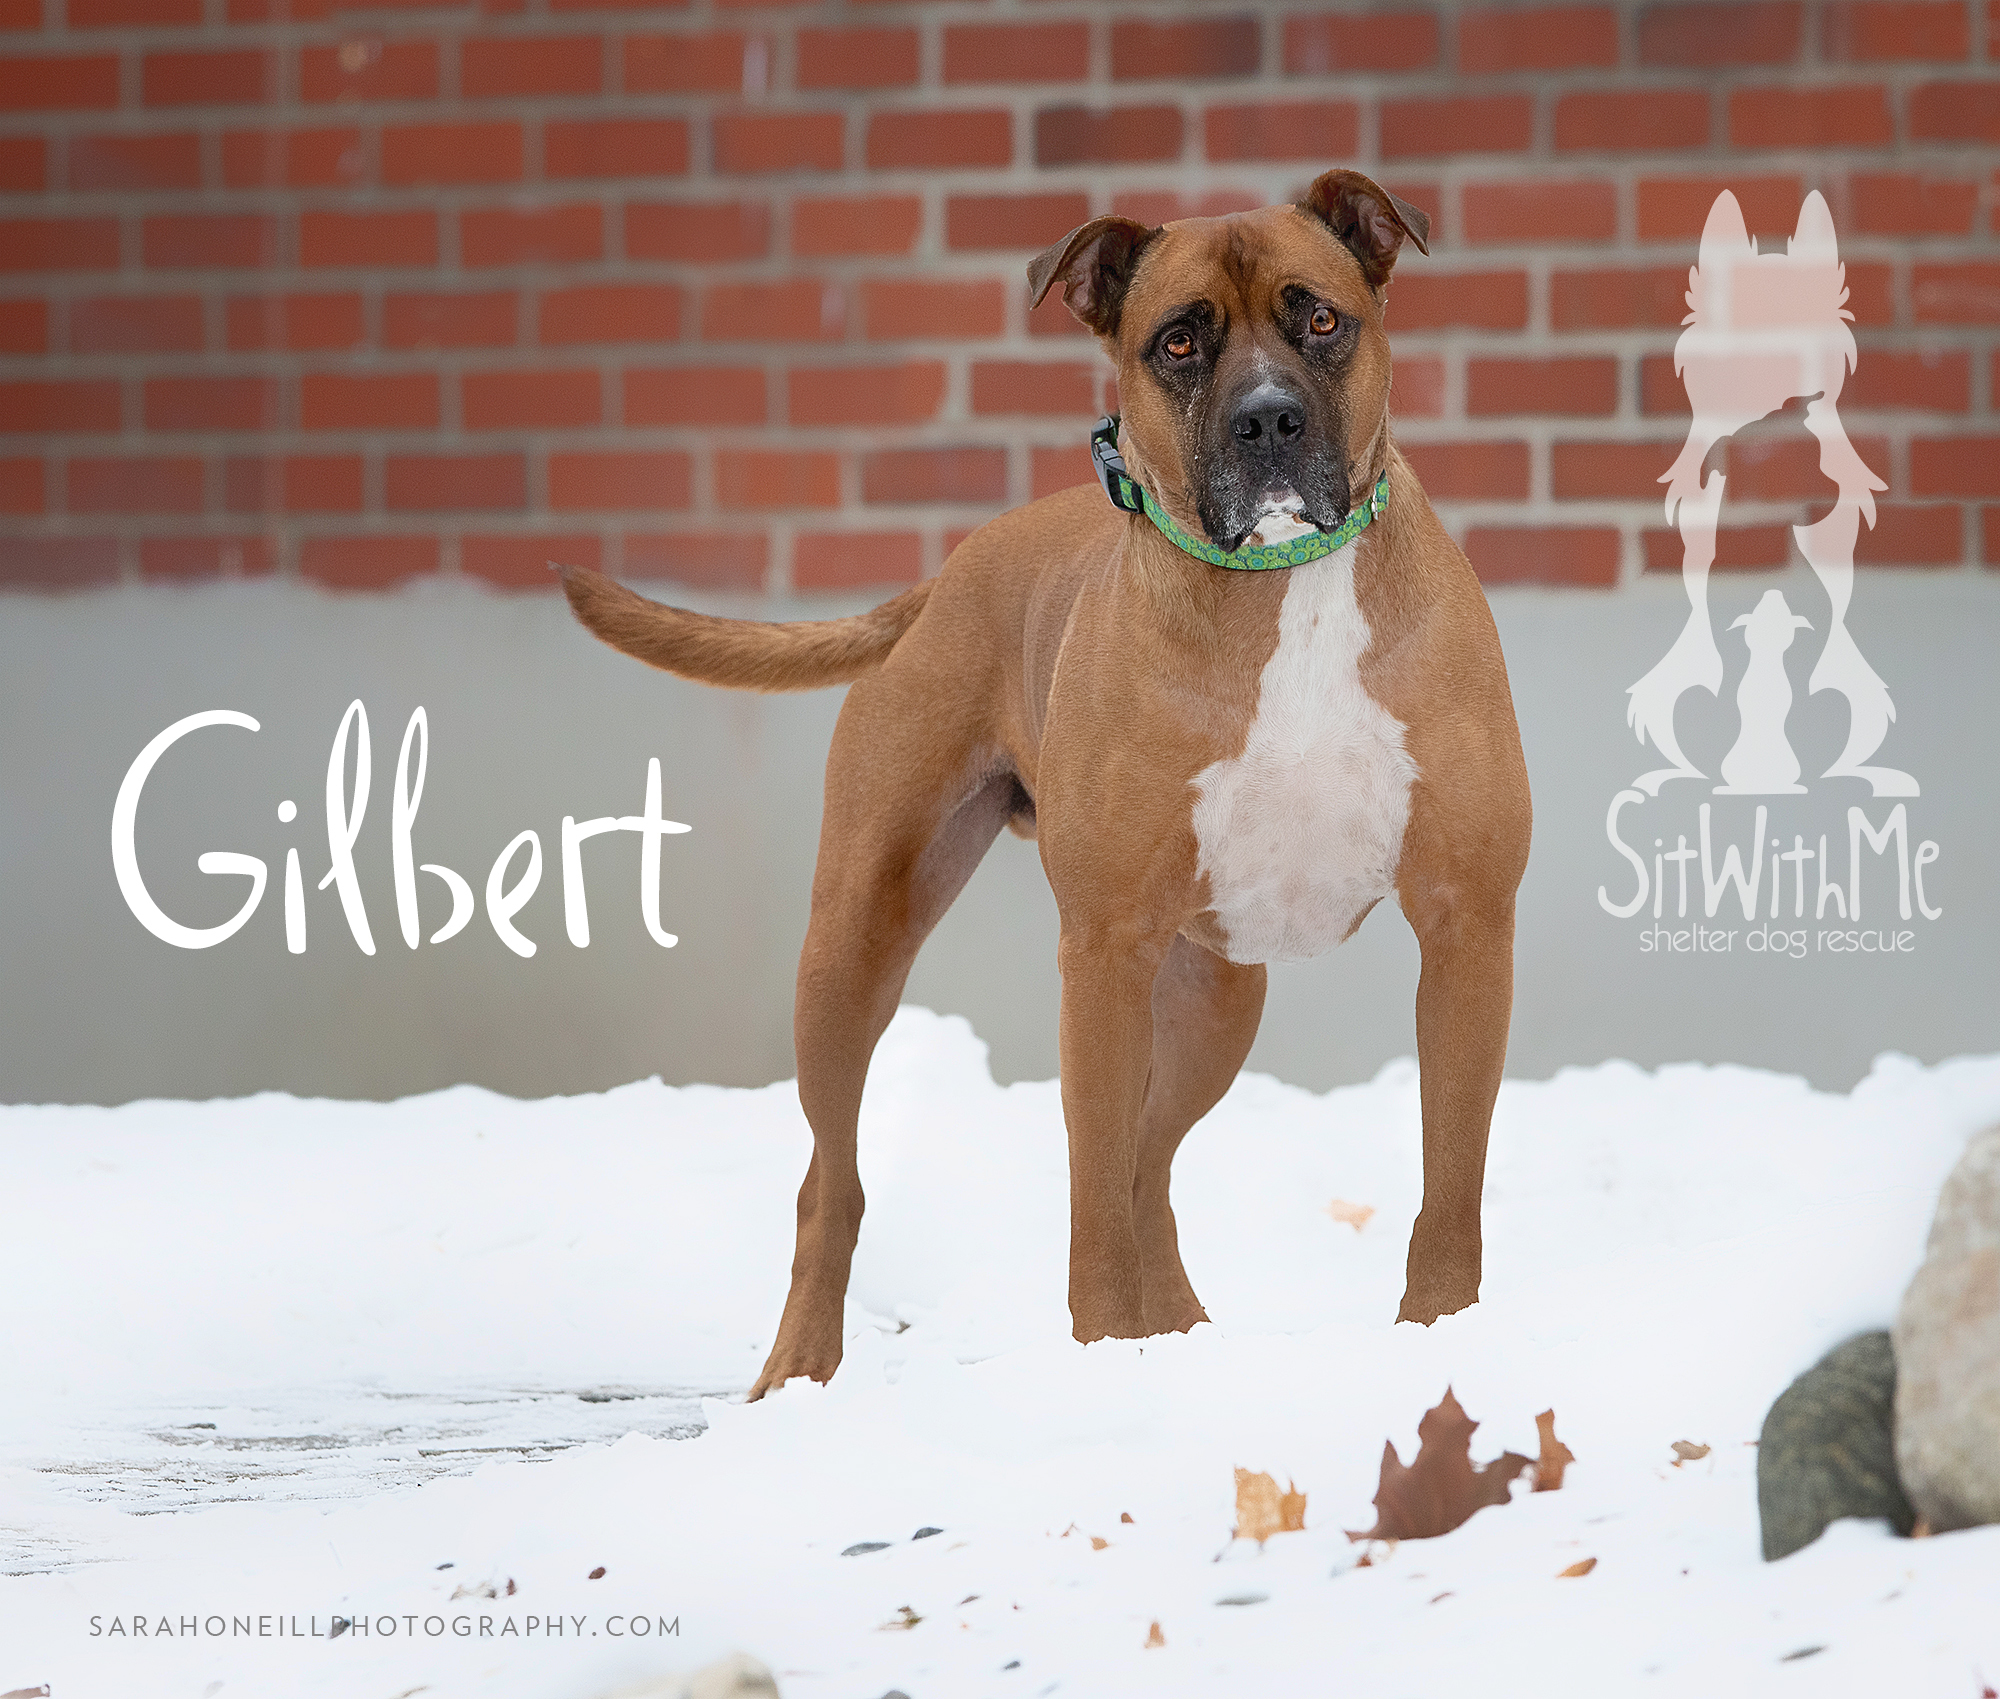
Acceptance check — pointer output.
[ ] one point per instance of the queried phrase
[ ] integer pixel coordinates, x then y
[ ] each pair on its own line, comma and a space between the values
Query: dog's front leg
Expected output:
1464, 999
1107, 1045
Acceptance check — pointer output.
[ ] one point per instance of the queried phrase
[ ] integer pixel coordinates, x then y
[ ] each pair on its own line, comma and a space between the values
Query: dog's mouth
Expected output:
1280, 517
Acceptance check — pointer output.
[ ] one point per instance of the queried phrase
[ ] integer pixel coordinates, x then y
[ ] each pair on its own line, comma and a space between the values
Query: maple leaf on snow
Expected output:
1555, 1458
1441, 1489
1261, 1510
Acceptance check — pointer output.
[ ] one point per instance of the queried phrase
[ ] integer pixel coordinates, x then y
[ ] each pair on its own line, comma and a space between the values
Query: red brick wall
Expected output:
733, 293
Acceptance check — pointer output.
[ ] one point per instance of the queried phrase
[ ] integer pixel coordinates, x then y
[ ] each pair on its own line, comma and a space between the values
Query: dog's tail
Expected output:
743, 654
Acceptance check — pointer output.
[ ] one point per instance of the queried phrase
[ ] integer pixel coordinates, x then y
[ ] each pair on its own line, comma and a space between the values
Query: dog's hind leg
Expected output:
1205, 1014
912, 804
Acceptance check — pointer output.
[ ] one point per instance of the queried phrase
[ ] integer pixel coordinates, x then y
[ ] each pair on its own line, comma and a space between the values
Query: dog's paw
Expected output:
793, 1365
1173, 1313
1427, 1303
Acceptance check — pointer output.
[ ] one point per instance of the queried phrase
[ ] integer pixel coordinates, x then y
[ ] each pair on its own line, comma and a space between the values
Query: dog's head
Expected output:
1253, 369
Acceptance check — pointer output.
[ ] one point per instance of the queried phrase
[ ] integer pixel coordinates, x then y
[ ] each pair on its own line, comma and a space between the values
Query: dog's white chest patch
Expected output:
1300, 833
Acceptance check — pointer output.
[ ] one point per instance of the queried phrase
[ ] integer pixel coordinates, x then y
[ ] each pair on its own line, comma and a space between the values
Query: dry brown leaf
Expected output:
1441, 1488
1124, 1516
1555, 1458
1686, 1451
484, 1590
1097, 1544
1154, 1637
905, 1618
1583, 1566
1261, 1510
1355, 1215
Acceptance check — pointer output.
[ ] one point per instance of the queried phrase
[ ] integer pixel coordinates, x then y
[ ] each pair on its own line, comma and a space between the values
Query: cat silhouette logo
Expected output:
1766, 329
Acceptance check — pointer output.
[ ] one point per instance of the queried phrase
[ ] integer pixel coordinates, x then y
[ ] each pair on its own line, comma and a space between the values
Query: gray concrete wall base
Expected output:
530, 720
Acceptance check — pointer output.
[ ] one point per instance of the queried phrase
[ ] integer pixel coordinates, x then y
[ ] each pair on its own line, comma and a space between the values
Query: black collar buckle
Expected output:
1111, 473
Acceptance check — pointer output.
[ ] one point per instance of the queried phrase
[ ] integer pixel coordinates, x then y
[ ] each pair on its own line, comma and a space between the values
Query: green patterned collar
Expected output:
1128, 494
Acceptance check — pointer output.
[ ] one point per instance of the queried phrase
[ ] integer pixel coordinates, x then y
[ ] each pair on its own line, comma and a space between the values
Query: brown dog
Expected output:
1223, 768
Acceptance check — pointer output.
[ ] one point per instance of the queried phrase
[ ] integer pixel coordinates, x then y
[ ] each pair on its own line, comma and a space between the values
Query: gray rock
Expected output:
1948, 1352
1827, 1450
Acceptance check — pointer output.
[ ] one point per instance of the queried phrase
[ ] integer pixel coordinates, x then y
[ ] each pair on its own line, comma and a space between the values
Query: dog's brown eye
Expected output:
1323, 320
1179, 346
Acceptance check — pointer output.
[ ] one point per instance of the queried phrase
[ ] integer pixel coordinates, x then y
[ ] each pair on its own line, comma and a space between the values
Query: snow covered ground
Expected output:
420, 1328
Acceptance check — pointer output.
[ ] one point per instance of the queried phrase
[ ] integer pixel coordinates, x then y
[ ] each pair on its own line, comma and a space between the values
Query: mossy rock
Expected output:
1828, 1448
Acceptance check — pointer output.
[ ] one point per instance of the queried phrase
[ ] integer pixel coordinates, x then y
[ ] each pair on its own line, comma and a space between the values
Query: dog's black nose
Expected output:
1269, 416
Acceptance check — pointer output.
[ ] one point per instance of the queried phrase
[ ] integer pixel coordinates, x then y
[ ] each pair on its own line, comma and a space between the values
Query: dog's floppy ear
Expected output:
1094, 264
1369, 221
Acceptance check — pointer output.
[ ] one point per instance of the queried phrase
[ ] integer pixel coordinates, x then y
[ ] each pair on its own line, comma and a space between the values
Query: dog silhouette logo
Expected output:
1765, 329
1761, 762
